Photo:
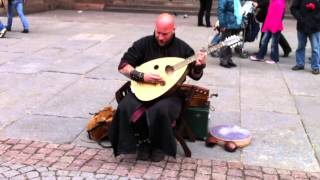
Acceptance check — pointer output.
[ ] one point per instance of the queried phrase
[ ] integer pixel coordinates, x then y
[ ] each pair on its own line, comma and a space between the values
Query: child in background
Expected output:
216, 39
272, 28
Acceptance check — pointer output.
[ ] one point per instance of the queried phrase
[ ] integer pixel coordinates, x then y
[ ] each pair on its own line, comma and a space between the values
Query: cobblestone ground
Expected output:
25, 159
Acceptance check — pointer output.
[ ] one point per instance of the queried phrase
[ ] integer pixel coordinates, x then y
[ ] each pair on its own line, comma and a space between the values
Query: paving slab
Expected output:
219, 77
298, 85
5, 56
280, 137
307, 108
23, 93
34, 90
45, 128
8, 81
76, 64
96, 94
27, 65
228, 99
105, 71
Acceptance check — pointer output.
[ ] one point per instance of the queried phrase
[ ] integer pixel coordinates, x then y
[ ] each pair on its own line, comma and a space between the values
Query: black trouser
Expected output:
282, 41
205, 7
226, 52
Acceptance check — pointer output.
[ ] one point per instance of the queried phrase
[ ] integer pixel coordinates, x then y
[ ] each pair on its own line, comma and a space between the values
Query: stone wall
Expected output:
155, 6
32, 6
82, 4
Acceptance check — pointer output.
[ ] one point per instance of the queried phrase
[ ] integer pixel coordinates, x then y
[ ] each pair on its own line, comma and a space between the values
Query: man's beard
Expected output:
162, 43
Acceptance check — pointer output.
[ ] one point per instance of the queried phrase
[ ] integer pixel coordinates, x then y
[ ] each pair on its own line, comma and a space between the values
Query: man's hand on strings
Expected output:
153, 78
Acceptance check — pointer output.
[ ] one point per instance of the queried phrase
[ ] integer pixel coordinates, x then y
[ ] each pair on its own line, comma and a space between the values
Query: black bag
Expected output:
261, 14
252, 29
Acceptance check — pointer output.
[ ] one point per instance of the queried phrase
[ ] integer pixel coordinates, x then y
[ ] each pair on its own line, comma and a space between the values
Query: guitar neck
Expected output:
193, 58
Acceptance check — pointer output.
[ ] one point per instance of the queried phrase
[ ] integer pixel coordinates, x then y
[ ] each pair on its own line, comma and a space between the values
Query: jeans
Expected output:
1, 26
274, 45
18, 5
282, 41
216, 39
315, 46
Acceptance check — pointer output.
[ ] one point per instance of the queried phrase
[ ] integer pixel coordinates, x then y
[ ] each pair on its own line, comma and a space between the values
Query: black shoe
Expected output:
238, 50
209, 25
286, 54
297, 67
315, 71
25, 31
225, 65
232, 64
200, 24
8, 29
143, 152
157, 155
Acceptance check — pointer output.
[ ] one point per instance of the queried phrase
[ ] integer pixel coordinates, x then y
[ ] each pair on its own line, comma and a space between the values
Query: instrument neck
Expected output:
193, 58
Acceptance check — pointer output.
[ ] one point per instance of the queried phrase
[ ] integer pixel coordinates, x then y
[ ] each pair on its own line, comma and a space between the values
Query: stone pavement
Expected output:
26, 159
53, 77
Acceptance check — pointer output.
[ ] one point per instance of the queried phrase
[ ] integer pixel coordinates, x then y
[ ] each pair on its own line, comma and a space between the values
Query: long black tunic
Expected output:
155, 125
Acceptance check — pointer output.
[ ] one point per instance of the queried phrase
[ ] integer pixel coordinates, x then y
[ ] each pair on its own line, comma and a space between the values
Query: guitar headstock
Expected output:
232, 41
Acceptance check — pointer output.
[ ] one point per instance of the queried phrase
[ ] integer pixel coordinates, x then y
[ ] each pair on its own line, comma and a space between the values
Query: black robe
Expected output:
155, 125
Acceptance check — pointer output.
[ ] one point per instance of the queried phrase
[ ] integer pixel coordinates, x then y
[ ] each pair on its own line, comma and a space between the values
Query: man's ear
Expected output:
174, 30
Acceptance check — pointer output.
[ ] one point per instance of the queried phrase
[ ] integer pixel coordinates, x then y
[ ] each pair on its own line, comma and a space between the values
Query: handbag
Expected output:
98, 125
252, 29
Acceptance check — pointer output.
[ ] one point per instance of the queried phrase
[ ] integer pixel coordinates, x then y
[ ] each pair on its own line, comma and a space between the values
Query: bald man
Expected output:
150, 135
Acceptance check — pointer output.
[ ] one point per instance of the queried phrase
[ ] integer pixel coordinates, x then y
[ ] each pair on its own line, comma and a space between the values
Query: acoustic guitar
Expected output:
173, 71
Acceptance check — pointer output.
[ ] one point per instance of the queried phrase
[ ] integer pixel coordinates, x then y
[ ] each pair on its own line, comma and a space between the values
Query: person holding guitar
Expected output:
145, 127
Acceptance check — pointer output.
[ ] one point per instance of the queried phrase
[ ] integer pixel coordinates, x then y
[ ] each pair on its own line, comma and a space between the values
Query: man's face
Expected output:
164, 35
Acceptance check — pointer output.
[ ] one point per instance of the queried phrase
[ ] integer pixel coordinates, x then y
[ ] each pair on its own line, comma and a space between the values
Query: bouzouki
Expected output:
173, 71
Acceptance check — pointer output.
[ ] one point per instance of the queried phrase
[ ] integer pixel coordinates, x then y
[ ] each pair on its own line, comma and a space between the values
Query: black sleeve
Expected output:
188, 51
193, 68
295, 10
135, 54
317, 14
263, 4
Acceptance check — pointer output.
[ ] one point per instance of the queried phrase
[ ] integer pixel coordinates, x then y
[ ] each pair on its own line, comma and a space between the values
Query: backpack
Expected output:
98, 125
252, 29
